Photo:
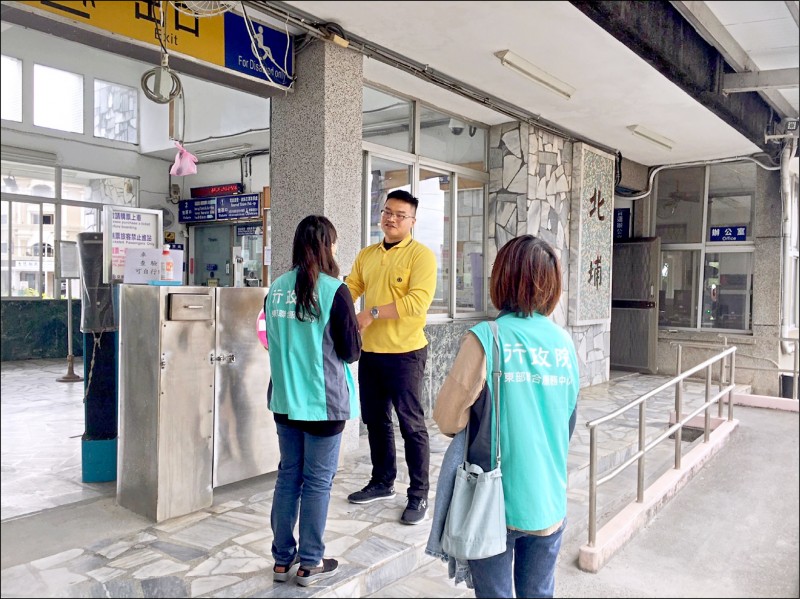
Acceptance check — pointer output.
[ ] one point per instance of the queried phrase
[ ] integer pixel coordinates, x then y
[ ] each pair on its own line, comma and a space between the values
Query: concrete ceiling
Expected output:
615, 88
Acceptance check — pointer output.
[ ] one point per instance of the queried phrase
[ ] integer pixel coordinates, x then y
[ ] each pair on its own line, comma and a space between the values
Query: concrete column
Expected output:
315, 152
316, 163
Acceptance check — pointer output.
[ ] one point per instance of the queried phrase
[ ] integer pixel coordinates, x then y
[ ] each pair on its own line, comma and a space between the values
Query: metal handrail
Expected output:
795, 370
728, 355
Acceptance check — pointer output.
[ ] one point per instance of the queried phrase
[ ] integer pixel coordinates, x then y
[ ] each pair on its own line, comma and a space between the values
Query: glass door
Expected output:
212, 255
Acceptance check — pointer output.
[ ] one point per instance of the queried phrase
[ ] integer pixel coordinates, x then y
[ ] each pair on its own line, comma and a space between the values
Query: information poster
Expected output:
127, 228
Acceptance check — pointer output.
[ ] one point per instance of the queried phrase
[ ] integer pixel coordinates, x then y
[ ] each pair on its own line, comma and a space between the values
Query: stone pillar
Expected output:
315, 152
316, 163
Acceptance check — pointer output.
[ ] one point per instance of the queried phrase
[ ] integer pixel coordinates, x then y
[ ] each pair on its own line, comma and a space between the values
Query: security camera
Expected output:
456, 127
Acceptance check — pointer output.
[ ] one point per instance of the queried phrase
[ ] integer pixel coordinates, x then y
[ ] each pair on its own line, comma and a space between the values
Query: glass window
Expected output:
28, 179
385, 176
469, 245
730, 201
450, 139
677, 301
386, 120
115, 111
11, 99
57, 99
679, 205
433, 229
100, 188
727, 290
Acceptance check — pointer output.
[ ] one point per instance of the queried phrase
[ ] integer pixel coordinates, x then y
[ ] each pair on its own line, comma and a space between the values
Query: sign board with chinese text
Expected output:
591, 236
143, 265
622, 223
220, 208
126, 229
727, 233
221, 40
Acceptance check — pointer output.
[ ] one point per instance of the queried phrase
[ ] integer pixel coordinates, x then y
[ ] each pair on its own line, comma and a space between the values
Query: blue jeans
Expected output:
305, 478
534, 567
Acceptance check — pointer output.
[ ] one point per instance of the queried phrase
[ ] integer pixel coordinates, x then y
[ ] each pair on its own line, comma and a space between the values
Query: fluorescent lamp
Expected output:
222, 151
651, 136
522, 67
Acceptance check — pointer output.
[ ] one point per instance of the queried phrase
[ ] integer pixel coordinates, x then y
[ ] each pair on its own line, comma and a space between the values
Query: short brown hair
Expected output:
526, 277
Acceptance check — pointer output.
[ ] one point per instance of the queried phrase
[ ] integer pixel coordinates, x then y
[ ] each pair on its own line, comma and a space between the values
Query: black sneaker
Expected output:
308, 576
415, 510
282, 573
371, 493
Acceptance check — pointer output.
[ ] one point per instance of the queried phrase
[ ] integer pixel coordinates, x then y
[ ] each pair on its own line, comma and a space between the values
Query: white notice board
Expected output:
127, 228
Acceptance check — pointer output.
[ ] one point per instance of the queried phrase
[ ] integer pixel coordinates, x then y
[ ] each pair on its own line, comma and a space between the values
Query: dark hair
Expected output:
526, 277
312, 253
403, 196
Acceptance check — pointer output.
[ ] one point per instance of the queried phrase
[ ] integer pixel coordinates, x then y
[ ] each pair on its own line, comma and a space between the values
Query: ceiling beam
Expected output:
715, 33
760, 81
660, 36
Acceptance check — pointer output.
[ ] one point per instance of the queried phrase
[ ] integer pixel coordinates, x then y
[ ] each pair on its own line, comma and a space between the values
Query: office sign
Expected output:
220, 40
249, 230
234, 207
732, 233
622, 223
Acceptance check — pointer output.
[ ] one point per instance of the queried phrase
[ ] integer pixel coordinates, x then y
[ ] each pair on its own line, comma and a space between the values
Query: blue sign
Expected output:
622, 223
211, 267
220, 208
235, 207
733, 233
250, 230
268, 44
197, 211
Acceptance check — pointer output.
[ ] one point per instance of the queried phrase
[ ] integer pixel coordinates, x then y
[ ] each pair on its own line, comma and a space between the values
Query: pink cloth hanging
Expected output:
184, 162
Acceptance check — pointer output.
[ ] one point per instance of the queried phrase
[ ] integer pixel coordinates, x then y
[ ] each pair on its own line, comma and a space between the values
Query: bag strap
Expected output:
496, 372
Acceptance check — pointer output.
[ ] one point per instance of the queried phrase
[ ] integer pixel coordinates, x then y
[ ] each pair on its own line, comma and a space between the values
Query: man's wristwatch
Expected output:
374, 312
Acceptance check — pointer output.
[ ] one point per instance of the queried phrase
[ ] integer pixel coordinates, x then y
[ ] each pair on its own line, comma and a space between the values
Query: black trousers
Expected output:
395, 380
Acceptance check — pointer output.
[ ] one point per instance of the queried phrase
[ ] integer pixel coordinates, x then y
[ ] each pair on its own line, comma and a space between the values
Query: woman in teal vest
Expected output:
538, 399
313, 336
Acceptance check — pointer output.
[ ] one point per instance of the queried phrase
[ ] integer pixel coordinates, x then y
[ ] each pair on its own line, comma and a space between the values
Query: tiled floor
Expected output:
224, 551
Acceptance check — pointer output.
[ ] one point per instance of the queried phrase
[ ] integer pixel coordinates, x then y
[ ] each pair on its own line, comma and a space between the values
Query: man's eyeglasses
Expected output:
387, 214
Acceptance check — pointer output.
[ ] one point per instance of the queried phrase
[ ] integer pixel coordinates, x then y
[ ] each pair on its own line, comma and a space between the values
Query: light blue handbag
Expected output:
475, 527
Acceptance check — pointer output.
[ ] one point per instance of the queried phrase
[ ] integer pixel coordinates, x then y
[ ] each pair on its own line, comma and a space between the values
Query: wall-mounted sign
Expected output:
732, 233
220, 208
216, 190
220, 40
250, 230
591, 236
125, 229
622, 223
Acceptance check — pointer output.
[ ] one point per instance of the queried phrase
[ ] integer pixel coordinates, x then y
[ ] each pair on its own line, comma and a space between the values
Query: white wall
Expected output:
211, 111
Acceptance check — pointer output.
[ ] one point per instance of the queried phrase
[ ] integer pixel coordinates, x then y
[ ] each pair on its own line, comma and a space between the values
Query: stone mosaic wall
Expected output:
530, 174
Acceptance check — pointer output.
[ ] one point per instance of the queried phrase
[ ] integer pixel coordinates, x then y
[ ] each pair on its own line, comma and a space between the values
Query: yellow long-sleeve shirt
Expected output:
404, 274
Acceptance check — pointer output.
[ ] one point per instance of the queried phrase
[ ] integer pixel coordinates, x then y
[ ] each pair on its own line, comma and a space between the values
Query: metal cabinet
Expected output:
192, 396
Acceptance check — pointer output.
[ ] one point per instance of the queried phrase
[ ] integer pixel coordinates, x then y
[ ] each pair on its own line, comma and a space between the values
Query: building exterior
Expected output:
490, 153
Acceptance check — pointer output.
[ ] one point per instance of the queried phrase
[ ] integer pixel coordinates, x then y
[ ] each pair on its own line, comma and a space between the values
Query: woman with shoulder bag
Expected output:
538, 406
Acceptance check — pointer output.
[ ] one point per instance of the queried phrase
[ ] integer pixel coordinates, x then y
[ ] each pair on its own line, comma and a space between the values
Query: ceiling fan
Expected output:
667, 206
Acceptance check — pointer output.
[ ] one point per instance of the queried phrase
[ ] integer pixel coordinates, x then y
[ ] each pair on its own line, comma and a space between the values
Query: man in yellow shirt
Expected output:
397, 278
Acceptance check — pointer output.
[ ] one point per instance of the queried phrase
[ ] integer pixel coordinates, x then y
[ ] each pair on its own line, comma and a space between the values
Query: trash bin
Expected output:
786, 385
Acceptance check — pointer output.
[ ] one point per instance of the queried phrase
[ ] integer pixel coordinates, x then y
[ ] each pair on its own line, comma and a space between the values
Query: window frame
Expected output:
57, 202
417, 163
708, 247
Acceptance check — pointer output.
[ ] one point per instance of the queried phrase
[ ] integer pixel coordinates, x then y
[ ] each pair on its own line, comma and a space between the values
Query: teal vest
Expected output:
538, 392
309, 381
